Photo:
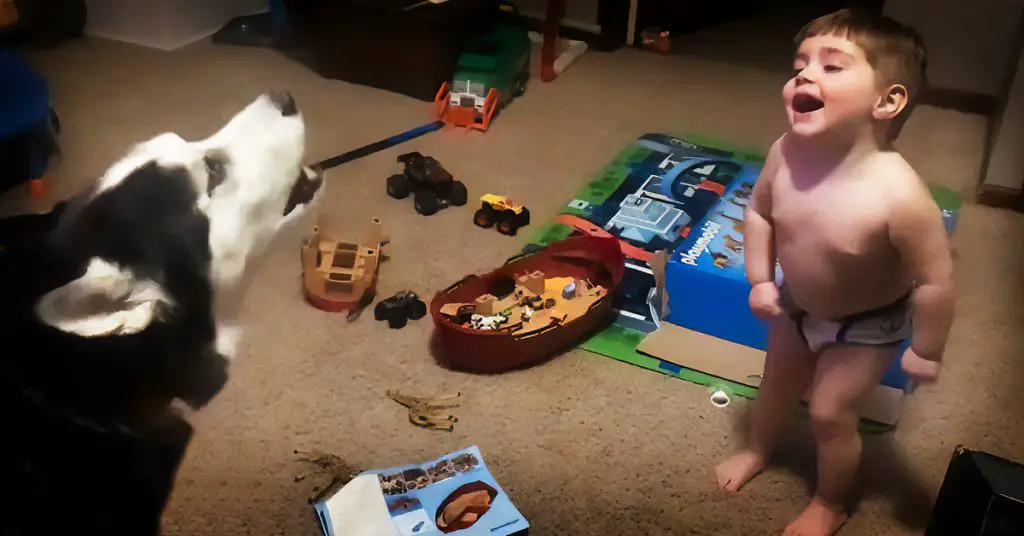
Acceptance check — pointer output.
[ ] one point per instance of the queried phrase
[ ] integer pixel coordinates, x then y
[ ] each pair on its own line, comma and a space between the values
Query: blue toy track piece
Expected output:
378, 146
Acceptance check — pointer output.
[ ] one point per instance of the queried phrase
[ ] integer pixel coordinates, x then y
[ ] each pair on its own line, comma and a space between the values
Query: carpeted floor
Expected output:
584, 444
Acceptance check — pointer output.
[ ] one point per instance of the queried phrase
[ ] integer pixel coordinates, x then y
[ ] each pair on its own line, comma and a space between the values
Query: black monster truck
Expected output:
400, 308
432, 186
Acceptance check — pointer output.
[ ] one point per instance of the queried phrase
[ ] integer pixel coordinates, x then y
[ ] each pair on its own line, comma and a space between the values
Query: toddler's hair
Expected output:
894, 50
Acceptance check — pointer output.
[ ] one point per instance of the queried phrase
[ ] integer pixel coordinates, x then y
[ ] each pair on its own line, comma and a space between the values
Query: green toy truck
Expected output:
494, 69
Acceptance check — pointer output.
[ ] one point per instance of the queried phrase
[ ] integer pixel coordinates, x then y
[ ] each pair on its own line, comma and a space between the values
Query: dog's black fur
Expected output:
117, 304
90, 442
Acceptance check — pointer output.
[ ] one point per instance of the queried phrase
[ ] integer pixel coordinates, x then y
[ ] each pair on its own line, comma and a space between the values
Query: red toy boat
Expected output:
535, 305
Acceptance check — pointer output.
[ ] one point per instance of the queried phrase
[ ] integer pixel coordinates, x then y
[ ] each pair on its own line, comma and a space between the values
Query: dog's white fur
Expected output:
264, 150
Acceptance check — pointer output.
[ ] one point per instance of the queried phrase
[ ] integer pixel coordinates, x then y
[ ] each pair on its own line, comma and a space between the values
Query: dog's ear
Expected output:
106, 300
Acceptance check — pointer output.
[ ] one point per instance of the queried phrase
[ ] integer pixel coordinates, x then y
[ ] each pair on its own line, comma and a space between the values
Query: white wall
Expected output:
970, 42
164, 24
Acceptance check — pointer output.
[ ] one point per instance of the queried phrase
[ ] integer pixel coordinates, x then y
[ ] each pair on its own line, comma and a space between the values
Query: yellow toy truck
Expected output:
500, 211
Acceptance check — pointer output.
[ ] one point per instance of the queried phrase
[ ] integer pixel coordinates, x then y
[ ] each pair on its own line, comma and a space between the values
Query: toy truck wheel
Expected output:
417, 309
458, 194
524, 217
398, 186
521, 84
507, 224
426, 202
397, 318
485, 217
380, 312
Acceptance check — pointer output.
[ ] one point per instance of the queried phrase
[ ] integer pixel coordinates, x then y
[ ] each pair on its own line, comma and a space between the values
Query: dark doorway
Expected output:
681, 18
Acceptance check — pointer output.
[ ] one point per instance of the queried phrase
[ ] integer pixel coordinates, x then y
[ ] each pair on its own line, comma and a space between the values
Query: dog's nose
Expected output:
284, 102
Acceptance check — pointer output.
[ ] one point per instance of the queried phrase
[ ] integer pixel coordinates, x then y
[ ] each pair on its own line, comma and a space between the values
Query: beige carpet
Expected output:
585, 445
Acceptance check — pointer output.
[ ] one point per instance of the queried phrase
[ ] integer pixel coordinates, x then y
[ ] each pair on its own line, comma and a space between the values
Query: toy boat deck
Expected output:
341, 276
538, 302
530, 308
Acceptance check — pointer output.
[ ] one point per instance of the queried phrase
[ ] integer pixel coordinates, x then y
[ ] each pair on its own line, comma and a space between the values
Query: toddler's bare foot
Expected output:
818, 519
738, 469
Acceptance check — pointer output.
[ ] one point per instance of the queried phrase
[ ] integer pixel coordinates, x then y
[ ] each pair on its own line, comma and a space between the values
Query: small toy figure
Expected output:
569, 291
432, 186
487, 323
405, 305
499, 210
427, 412
656, 39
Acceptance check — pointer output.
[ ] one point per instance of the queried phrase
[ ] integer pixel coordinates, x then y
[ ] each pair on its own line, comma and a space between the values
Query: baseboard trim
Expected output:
960, 100
994, 196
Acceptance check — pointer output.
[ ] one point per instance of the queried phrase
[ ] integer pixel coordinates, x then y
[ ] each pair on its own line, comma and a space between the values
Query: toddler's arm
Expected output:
917, 231
758, 242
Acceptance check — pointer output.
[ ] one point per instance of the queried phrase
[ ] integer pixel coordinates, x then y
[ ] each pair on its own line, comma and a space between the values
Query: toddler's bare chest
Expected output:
842, 219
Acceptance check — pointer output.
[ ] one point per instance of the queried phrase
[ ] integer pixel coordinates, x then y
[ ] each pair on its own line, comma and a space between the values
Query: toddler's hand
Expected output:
921, 370
765, 300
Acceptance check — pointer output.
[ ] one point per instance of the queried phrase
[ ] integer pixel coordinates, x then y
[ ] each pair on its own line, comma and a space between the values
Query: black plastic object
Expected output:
433, 187
981, 495
405, 305
379, 44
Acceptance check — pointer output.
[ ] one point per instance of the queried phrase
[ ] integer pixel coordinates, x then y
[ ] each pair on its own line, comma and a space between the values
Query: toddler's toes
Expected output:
738, 469
818, 519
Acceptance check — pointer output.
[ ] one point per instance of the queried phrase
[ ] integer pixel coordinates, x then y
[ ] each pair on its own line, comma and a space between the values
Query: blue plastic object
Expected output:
28, 126
24, 96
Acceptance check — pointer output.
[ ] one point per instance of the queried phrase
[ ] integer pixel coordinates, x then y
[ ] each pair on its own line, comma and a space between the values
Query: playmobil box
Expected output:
706, 282
705, 277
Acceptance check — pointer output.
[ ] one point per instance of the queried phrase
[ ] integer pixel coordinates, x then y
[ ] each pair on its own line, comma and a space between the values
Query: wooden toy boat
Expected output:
537, 304
342, 276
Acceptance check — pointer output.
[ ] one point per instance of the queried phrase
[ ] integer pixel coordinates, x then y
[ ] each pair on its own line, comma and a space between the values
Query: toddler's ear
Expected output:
892, 103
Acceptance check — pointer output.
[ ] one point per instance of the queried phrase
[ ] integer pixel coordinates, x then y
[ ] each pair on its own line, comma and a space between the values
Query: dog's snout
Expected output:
284, 102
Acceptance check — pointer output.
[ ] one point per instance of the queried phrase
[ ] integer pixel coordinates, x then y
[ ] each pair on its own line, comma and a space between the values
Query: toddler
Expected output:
865, 258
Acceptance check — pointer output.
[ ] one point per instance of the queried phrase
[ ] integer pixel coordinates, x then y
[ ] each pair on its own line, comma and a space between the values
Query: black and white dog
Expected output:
125, 299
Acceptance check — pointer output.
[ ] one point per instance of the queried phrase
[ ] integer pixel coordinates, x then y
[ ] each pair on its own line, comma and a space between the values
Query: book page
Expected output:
358, 509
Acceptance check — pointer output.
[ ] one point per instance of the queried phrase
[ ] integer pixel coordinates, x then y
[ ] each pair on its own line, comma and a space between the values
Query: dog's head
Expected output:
176, 226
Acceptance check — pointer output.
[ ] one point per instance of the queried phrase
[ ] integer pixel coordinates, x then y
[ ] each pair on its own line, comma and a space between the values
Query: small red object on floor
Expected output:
37, 187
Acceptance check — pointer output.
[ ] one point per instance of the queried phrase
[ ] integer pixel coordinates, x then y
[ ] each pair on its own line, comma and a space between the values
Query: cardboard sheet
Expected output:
710, 355
744, 365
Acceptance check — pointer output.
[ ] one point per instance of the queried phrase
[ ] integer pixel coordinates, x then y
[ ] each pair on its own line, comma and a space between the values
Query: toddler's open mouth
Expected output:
804, 103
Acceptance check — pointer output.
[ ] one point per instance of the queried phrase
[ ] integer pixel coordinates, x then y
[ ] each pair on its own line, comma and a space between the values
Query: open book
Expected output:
454, 494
